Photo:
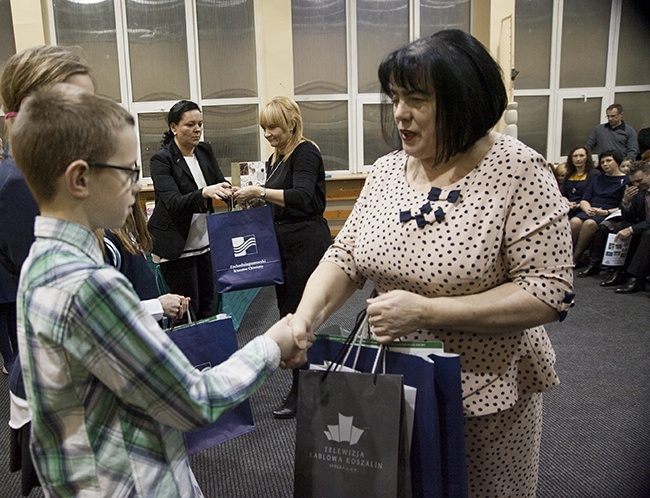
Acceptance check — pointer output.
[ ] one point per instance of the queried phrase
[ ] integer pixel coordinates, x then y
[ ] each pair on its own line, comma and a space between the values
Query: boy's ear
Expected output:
75, 178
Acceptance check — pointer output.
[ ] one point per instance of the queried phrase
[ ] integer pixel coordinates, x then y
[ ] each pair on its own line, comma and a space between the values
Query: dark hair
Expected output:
618, 107
456, 70
571, 168
175, 115
639, 166
643, 137
616, 155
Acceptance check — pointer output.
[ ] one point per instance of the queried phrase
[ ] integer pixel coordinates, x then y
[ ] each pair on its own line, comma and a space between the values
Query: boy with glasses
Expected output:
110, 394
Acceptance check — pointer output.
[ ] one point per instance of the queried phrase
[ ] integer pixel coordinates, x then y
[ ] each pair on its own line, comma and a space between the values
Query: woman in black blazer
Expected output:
186, 177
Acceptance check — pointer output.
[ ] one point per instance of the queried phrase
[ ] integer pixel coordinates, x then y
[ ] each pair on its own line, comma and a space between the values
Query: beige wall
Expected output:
275, 52
29, 25
493, 24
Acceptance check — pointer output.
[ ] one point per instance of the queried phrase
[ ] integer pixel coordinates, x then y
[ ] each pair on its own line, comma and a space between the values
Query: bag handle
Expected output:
190, 318
356, 337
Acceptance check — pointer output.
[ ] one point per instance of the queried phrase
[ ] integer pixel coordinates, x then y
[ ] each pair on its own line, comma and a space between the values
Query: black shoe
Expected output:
617, 278
633, 285
289, 406
592, 269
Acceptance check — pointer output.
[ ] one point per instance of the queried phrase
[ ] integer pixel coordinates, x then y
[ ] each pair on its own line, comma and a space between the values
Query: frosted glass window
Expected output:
632, 67
436, 15
226, 32
7, 43
319, 46
151, 128
374, 145
636, 108
234, 132
585, 32
579, 117
382, 27
326, 123
158, 50
533, 24
533, 122
92, 27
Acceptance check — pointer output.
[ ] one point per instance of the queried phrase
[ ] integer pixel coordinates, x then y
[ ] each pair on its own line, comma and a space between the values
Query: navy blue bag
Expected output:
244, 249
437, 460
207, 343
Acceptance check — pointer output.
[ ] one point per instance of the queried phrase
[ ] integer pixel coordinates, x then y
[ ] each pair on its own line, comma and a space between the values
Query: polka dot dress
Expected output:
503, 222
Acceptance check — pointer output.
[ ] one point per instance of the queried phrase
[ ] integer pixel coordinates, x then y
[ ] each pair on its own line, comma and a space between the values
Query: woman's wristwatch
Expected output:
262, 193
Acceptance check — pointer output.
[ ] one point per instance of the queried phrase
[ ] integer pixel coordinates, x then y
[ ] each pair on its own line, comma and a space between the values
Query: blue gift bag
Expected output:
207, 343
437, 460
244, 249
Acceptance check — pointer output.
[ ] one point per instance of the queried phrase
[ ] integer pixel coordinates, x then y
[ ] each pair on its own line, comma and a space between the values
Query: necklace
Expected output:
273, 170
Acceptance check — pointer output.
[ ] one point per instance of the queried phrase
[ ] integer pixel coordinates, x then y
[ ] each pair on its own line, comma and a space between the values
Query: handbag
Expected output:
437, 451
207, 343
244, 249
350, 435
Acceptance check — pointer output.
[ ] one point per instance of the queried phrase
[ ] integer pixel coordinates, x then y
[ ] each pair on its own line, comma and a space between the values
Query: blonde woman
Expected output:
295, 190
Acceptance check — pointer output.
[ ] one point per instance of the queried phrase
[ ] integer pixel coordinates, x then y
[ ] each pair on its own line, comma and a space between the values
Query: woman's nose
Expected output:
401, 110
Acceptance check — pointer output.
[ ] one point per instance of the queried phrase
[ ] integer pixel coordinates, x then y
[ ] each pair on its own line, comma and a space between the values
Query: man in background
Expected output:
613, 135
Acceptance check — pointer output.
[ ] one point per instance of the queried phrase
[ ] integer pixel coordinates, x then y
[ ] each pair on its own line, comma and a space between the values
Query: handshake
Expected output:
294, 336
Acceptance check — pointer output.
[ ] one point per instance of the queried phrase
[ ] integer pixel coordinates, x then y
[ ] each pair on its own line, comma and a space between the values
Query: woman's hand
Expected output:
396, 314
174, 306
303, 333
291, 354
221, 190
245, 195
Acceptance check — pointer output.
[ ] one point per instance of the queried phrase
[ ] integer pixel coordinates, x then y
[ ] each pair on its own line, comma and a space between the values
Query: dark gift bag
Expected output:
244, 249
350, 434
207, 343
437, 459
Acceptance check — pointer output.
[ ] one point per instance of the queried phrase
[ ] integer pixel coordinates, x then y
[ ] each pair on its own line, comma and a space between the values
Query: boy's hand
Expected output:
282, 334
173, 305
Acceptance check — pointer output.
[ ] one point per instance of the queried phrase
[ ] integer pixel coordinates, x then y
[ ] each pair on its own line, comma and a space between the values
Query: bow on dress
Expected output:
435, 194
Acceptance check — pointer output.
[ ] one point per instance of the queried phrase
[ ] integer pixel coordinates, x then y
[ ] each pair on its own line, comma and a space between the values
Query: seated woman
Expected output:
580, 172
601, 198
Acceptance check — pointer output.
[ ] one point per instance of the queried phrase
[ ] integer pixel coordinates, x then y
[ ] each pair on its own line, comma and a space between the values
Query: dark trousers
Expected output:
192, 277
600, 239
302, 246
638, 256
8, 339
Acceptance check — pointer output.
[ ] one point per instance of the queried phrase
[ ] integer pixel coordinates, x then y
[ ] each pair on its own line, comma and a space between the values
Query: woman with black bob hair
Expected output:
186, 177
449, 73
466, 238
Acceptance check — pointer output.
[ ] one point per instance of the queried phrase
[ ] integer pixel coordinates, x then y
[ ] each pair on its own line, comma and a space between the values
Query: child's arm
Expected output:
121, 345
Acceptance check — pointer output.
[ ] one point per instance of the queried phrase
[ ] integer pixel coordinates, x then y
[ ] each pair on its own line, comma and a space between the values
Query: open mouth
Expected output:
407, 136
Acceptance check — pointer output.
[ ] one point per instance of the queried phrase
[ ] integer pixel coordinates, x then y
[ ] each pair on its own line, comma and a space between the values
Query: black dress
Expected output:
303, 233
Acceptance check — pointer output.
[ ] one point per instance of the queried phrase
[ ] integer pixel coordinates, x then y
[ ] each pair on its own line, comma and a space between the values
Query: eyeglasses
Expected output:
611, 116
134, 175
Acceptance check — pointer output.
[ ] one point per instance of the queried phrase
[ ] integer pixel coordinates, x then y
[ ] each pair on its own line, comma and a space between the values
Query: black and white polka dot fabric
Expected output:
508, 224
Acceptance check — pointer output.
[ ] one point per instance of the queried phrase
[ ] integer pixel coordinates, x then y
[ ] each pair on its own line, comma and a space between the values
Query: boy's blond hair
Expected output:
58, 125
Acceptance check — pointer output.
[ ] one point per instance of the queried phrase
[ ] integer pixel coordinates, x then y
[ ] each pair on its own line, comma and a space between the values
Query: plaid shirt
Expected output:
110, 394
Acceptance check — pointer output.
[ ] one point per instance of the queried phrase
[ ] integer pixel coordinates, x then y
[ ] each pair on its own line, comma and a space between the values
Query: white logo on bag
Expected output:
245, 245
344, 432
